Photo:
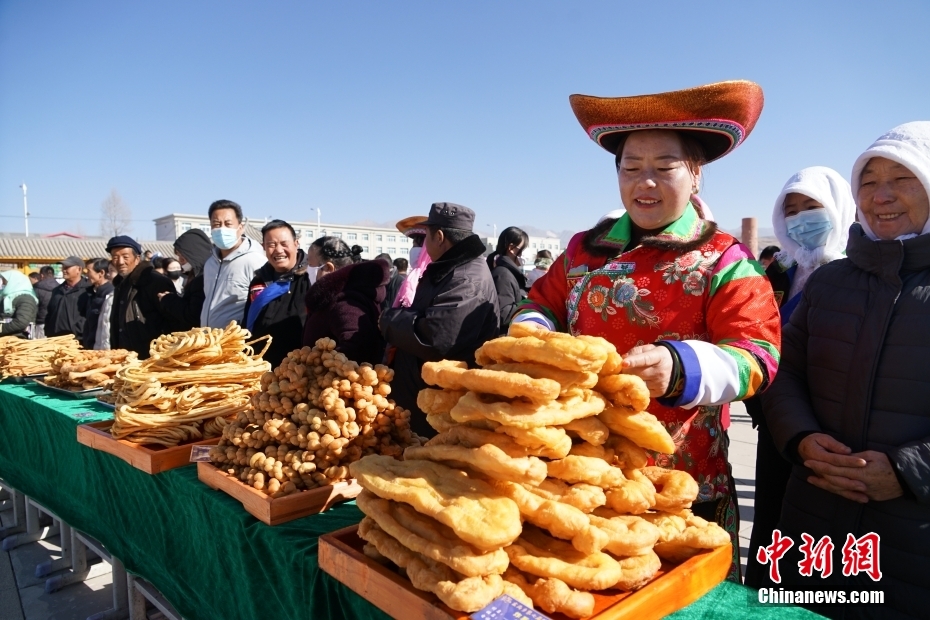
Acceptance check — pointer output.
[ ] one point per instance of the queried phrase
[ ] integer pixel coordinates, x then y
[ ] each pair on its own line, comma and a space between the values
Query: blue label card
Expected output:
83, 415
200, 454
505, 607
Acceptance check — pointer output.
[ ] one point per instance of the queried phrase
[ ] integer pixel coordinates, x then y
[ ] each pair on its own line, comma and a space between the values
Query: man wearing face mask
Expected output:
230, 268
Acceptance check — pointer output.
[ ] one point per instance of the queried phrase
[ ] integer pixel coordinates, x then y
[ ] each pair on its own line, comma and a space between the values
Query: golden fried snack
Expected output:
539, 554
624, 391
591, 430
442, 422
685, 534
479, 515
586, 469
640, 426
638, 570
675, 489
635, 495
436, 402
546, 441
561, 519
589, 450
21, 358
584, 497
452, 376
567, 379
430, 537
567, 353
625, 453
614, 363
521, 414
468, 594
472, 437
629, 535
552, 595
487, 459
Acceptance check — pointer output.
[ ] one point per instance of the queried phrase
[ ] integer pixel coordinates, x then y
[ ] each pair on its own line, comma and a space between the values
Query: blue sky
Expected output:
374, 110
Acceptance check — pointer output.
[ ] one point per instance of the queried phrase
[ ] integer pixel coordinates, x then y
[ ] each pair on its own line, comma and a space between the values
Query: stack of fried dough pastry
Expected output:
87, 370
21, 358
192, 383
538, 482
316, 413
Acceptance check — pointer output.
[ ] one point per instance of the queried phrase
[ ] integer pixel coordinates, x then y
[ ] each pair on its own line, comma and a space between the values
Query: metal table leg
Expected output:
34, 531
141, 592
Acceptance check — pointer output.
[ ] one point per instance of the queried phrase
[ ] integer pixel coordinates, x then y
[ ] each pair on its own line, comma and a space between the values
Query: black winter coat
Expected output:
43, 290
185, 310
63, 316
89, 305
24, 313
283, 318
137, 318
854, 366
454, 312
510, 283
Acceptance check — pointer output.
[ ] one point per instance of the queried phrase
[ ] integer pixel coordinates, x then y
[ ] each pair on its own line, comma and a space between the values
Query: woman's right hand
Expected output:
827, 457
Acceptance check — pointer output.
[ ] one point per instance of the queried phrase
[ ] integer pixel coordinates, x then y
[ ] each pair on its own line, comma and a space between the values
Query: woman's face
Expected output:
656, 180
893, 201
798, 203
280, 249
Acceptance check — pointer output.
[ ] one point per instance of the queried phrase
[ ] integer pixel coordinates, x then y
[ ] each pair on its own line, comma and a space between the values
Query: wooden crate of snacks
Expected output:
673, 588
274, 511
152, 459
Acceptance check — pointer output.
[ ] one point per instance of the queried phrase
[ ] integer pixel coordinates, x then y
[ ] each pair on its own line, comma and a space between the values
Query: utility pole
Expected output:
319, 231
25, 208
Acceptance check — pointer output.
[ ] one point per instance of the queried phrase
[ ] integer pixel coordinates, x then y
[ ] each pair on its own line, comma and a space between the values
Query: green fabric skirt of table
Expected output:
199, 547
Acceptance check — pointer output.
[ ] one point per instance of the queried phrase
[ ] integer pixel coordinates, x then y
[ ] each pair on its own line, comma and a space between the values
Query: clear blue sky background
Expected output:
373, 110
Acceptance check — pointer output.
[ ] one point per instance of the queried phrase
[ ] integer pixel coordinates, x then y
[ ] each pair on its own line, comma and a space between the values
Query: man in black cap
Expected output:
63, 316
453, 313
136, 317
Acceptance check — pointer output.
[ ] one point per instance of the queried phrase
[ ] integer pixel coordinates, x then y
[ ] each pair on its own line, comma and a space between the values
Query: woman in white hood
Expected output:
812, 216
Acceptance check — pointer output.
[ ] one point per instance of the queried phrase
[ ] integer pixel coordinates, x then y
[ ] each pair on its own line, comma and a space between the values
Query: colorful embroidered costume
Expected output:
696, 288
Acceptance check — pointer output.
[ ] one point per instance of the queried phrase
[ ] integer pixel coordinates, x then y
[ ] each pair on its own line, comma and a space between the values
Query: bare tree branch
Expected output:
115, 216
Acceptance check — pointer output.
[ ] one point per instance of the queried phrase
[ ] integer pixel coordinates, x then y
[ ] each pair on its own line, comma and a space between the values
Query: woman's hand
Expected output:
653, 364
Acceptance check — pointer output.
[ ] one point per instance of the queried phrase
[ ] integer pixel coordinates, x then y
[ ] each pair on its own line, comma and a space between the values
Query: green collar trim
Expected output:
686, 228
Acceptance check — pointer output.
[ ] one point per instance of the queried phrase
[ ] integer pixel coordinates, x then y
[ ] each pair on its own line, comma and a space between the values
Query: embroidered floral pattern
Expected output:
625, 294
690, 269
599, 300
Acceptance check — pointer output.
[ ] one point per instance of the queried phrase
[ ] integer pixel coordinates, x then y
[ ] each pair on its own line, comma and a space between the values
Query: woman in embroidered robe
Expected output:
685, 301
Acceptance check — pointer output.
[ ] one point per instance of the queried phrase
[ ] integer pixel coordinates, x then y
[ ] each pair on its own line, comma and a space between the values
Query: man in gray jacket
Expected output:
231, 266
454, 312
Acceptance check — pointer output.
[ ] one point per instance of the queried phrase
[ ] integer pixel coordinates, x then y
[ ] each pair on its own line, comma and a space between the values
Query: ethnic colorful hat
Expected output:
412, 225
720, 116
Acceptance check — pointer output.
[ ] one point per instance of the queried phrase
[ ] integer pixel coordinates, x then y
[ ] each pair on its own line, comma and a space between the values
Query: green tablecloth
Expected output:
199, 547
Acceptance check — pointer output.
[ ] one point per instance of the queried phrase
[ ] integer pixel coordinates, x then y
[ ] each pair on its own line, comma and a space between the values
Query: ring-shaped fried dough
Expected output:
584, 497
560, 519
545, 441
479, 515
638, 570
565, 353
586, 469
626, 454
635, 496
468, 594
539, 554
675, 489
430, 537
552, 595
624, 391
586, 449
643, 428
685, 535
567, 379
450, 376
487, 459
629, 535
521, 414
438, 402
591, 430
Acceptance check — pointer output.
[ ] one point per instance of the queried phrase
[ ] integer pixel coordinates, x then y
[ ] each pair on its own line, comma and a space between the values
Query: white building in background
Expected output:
373, 240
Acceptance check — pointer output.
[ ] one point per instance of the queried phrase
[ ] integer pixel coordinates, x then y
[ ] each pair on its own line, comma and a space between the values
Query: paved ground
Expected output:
23, 597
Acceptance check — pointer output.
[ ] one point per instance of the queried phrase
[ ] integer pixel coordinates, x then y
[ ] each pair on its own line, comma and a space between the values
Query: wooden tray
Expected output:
675, 587
151, 459
272, 511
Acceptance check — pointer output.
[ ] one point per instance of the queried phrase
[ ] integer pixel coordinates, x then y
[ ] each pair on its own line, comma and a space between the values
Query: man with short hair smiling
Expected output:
230, 268
136, 317
63, 316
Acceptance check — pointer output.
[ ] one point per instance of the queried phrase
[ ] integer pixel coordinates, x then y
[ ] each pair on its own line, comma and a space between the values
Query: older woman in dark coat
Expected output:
849, 405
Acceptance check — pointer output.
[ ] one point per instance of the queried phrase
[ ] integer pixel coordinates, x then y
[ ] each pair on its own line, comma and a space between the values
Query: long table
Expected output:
199, 547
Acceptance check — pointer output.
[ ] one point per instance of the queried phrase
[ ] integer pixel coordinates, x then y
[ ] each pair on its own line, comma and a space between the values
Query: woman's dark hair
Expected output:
100, 264
510, 236
196, 247
338, 252
693, 150
544, 254
161, 262
769, 252
274, 225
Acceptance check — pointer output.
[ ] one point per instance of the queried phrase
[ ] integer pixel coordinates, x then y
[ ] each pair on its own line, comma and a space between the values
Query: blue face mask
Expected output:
809, 229
224, 238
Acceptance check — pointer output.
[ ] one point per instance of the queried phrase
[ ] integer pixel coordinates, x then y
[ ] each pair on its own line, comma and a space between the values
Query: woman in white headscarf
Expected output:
849, 404
811, 218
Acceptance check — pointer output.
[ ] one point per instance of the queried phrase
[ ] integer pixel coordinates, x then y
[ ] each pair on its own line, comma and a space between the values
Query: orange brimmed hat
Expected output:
412, 225
720, 116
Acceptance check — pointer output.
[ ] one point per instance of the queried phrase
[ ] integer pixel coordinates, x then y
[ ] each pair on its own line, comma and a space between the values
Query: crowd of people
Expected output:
822, 337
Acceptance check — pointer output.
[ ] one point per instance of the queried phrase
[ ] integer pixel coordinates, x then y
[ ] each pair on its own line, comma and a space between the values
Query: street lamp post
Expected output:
25, 208
318, 229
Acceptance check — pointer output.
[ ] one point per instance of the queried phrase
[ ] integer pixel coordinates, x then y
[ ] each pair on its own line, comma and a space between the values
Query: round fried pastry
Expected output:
552, 595
643, 428
591, 430
634, 496
586, 469
625, 453
487, 459
584, 497
675, 489
638, 570
438, 402
566, 353
624, 391
629, 535
567, 379
539, 554
574, 405
450, 376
